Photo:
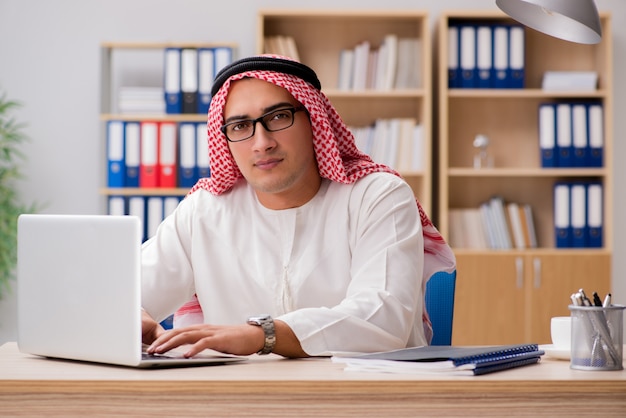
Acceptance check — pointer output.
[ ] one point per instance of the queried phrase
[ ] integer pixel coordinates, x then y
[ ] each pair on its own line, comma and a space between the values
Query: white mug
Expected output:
561, 331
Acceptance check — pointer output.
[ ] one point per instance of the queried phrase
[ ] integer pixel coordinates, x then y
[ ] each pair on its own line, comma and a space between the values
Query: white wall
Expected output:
49, 61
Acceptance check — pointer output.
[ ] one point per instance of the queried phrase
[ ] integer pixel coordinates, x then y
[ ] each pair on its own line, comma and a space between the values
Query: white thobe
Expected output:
344, 270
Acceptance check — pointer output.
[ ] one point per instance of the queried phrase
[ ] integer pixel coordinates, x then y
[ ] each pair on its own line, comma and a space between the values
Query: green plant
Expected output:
11, 137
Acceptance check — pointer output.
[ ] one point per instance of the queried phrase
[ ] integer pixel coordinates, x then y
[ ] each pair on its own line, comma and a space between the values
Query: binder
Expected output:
564, 135
547, 135
116, 206
484, 55
187, 154
223, 57
516, 57
132, 152
500, 56
167, 154
202, 151
454, 76
189, 79
154, 214
580, 142
137, 207
595, 216
578, 195
447, 359
148, 174
170, 203
171, 81
562, 226
115, 154
468, 56
595, 115
206, 74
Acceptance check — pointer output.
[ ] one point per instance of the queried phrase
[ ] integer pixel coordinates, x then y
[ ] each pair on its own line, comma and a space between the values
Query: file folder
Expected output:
187, 154
189, 79
206, 74
595, 115
223, 57
562, 213
454, 76
115, 154
579, 135
171, 82
148, 174
202, 151
468, 56
116, 206
484, 55
154, 215
500, 56
170, 203
137, 207
578, 195
547, 135
516, 57
132, 148
564, 134
167, 154
595, 215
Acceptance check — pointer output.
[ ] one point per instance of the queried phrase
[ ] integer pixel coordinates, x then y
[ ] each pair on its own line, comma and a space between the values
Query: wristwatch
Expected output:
267, 323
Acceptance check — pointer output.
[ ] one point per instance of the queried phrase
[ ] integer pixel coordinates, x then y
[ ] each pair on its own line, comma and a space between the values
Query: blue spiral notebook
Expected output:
446, 359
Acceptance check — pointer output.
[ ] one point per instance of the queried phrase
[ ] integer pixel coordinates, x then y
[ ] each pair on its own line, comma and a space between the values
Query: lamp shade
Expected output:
571, 20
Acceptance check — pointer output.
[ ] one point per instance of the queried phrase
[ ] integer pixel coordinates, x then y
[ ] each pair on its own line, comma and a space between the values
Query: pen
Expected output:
607, 301
596, 299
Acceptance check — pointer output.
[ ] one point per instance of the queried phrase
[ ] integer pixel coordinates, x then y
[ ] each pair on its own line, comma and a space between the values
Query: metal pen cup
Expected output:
597, 337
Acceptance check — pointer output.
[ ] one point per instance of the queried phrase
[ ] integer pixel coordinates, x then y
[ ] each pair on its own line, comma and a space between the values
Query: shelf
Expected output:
137, 191
194, 117
527, 172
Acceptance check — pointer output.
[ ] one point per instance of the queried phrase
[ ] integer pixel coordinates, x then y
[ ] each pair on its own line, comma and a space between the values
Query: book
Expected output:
470, 360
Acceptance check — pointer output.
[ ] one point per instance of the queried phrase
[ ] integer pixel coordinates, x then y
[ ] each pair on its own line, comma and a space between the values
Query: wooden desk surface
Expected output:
273, 386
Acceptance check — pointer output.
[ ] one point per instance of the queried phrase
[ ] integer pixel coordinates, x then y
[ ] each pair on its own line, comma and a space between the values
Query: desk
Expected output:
271, 386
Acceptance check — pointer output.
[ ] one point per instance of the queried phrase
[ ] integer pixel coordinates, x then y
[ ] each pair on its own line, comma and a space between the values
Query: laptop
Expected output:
78, 292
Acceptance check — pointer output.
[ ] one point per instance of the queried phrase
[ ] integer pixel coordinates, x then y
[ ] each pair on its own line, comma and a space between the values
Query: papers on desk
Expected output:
445, 359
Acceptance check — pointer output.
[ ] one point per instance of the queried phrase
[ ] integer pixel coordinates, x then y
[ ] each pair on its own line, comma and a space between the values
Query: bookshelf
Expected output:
508, 296
320, 36
141, 66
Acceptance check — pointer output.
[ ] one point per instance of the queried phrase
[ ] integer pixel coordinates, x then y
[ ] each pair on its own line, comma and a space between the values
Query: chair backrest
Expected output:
439, 297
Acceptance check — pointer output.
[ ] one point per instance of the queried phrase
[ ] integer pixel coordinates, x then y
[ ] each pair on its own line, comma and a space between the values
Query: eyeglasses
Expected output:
273, 121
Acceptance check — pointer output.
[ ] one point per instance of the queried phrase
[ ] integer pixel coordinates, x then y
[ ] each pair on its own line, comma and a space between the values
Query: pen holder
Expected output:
597, 337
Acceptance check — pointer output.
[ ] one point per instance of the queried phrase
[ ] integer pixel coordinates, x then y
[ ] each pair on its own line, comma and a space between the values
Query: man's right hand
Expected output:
150, 329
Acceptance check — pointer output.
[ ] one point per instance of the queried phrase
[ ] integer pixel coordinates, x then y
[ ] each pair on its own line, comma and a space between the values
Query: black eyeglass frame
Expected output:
261, 120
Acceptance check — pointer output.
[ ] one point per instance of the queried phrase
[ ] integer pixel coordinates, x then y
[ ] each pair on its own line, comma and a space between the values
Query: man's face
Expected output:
280, 165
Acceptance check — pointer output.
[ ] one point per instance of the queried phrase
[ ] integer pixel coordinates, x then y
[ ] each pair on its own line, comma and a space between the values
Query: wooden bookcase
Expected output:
508, 296
320, 35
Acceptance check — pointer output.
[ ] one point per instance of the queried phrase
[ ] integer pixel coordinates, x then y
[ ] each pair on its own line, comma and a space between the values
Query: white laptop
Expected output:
78, 291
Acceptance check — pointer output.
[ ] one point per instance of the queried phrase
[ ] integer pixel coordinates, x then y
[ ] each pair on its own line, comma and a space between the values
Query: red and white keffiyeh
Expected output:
338, 159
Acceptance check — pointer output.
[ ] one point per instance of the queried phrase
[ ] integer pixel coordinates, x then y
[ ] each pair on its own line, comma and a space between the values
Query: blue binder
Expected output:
580, 134
578, 203
595, 125
189, 79
516, 69
564, 144
484, 55
454, 72
171, 81
188, 171
467, 56
547, 135
206, 74
132, 153
562, 215
500, 56
115, 154
595, 214
202, 151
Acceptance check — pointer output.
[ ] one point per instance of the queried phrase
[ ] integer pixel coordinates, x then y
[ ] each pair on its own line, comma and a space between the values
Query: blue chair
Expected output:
439, 298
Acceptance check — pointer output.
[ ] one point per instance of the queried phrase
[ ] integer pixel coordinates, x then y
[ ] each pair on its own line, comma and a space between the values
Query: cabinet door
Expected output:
554, 278
489, 300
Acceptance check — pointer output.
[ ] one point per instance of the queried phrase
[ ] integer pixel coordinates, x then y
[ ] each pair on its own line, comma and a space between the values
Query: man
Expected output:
295, 223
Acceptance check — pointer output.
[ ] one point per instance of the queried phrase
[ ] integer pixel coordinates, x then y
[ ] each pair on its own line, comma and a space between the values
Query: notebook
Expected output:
446, 359
78, 291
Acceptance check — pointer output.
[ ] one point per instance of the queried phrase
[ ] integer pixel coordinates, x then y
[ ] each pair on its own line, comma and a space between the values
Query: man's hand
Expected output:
150, 329
240, 340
